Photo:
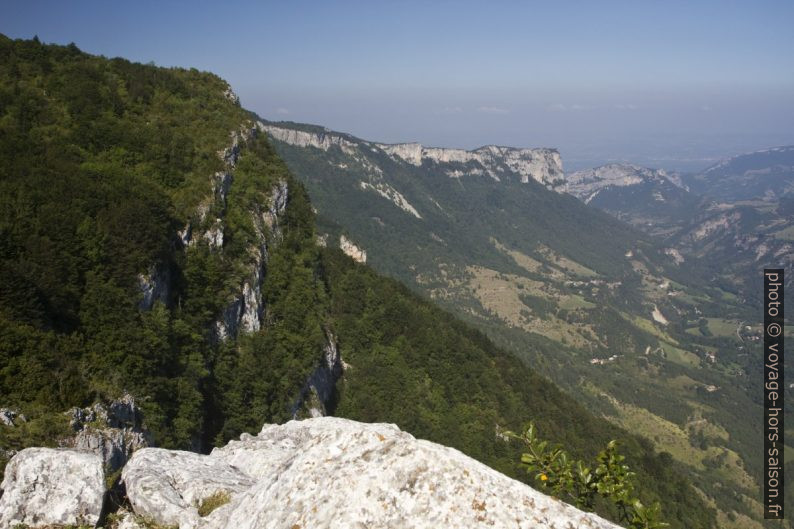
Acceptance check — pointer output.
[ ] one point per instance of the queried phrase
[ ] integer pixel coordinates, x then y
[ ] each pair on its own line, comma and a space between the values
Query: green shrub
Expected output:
582, 484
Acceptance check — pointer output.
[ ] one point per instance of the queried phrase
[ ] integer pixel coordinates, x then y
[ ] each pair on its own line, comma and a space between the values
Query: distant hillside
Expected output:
763, 174
725, 238
649, 199
611, 314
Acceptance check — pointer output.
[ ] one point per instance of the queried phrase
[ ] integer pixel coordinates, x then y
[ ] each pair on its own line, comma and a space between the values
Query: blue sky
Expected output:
668, 83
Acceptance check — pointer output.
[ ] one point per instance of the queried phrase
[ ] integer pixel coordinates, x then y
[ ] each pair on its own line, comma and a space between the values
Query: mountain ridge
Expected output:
541, 164
610, 313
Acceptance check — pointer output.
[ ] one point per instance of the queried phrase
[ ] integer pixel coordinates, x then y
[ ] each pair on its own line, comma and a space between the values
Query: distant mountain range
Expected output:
624, 320
650, 199
767, 174
731, 220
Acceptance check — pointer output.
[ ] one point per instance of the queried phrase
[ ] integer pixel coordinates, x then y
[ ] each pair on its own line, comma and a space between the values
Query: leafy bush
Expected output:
582, 484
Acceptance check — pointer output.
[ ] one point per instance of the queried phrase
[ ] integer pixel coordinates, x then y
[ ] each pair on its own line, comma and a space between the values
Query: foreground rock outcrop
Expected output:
113, 431
49, 486
331, 472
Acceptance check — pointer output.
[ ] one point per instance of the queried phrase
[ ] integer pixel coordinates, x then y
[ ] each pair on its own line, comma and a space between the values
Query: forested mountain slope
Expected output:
151, 241
611, 314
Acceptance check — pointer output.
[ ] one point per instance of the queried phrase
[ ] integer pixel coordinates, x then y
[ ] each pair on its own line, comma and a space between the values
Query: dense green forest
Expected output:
102, 163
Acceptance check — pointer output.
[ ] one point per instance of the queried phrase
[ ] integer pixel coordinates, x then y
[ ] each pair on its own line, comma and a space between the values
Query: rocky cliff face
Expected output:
540, 165
586, 184
317, 394
112, 431
352, 250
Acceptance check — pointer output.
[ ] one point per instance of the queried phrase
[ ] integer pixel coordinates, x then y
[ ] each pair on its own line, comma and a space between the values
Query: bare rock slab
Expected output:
329, 472
168, 486
52, 486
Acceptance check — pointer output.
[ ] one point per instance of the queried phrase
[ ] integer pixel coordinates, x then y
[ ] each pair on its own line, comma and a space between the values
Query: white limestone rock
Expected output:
227, 325
392, 195
250, 319
231, 96
354, 252
126, 520
11, 417
318, 390
155, 285
244, 311
167, 486
541, 165
276, 208
319, 140
658, 317
214, 235
586, 184
222, 181
50, 486
331, 472
675, 255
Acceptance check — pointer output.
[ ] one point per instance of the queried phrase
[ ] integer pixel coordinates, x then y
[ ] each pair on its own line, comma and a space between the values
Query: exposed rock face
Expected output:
331, 472
10, 417
276, 208
112, 432
320, 140
49, 486
167, 486
155, 286
221, 182
316, 394
354, 252
540, 165
229, 322
391, 194
244, 311
675, 255
586, 184
714, 225
231, 96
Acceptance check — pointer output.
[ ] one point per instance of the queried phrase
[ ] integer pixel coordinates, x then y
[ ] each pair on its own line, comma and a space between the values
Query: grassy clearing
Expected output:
787, 234
524, 261
500, 294
574, 301
571, 267
672, 438
721, 327
649, 327
679, 356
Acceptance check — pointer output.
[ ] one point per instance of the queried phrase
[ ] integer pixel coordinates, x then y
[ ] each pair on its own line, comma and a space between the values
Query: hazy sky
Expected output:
661, 82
